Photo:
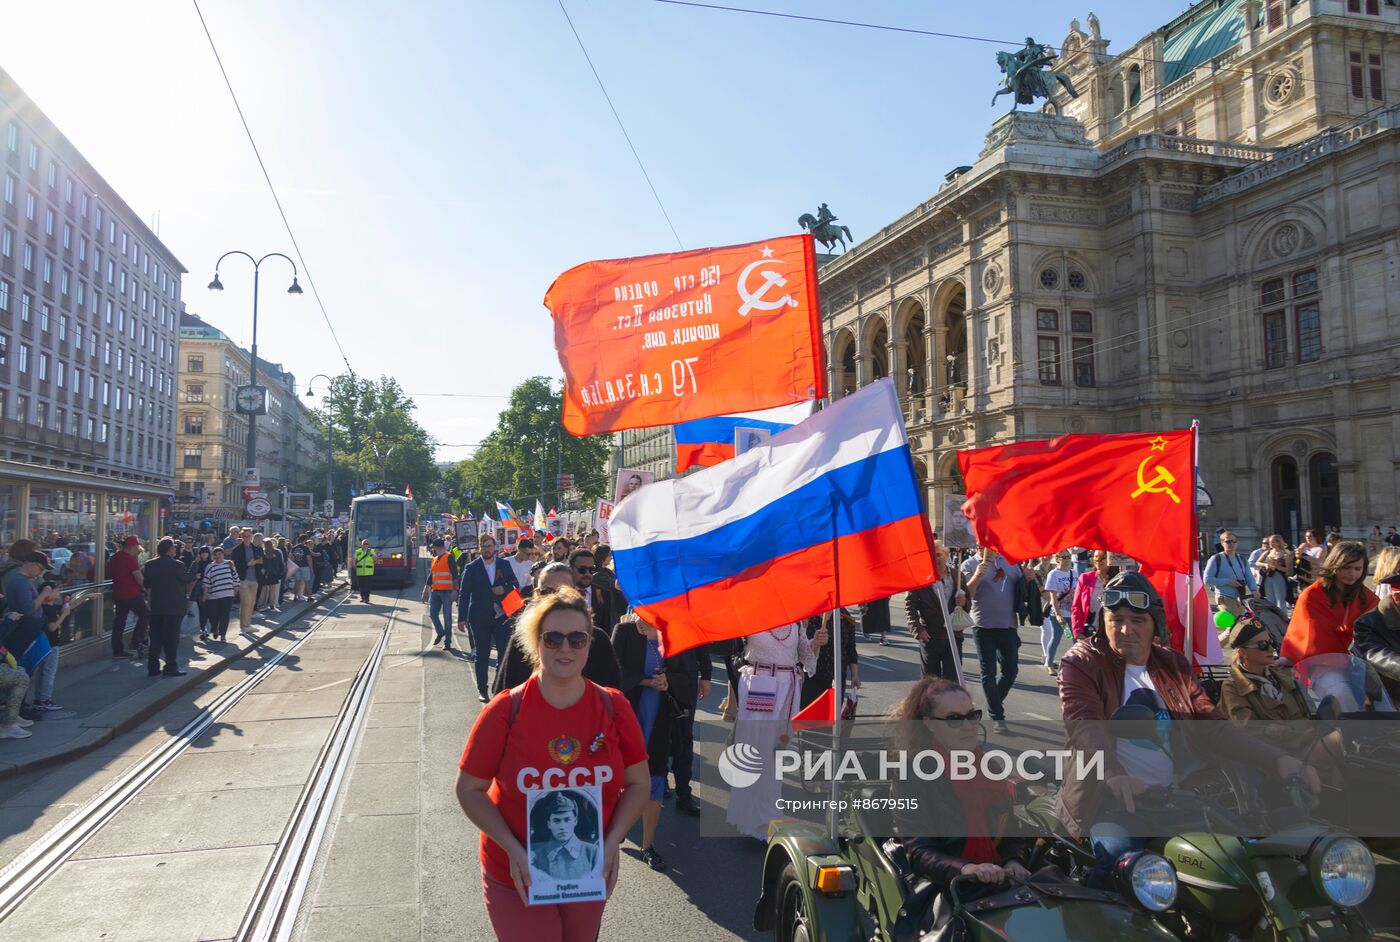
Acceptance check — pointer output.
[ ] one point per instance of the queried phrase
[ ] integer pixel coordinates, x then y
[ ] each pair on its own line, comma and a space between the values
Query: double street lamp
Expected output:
250, 399
330, 432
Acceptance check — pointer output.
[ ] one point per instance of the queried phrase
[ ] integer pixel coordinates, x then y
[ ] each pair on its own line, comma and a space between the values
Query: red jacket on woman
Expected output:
1319, 626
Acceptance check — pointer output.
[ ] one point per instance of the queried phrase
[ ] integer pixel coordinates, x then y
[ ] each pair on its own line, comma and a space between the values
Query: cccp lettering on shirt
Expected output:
528, 778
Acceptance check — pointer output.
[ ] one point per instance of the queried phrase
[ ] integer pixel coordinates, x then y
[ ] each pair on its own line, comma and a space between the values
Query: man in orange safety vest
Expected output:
439, 590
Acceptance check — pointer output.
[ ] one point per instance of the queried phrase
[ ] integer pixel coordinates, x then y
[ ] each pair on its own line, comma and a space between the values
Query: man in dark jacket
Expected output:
1126, 656
485, 582
687, 682
168, 582
928, 623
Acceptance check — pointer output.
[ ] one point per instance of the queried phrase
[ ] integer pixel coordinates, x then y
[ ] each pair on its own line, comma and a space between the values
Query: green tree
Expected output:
376, 438
519, 459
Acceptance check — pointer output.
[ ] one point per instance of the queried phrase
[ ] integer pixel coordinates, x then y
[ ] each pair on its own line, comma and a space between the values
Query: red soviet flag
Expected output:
1132, 494
662, 339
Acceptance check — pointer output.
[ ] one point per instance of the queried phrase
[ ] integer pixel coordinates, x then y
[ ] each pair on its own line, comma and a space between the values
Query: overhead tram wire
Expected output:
960, 36
305, 269
603, 88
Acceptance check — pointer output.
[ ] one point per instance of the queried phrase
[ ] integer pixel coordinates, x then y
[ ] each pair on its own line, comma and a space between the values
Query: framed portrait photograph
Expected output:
564, 840
746, 439
630, 480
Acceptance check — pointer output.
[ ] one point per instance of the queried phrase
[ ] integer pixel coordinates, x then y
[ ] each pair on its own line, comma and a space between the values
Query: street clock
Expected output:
251, 400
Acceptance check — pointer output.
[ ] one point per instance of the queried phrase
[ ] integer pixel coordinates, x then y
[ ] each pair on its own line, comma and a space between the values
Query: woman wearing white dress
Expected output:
770, 692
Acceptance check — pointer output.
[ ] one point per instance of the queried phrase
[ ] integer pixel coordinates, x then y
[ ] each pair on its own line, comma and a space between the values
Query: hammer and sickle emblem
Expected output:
1161, 482
754, 299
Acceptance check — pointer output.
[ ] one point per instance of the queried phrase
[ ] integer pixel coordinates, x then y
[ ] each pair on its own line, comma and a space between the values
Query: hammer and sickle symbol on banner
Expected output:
1161, 482
771, 279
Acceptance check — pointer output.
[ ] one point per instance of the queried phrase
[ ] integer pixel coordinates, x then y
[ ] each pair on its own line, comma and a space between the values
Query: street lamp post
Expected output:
217, 285
330, 433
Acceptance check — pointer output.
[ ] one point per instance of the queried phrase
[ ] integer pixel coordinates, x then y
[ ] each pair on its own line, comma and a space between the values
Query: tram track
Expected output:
272, 912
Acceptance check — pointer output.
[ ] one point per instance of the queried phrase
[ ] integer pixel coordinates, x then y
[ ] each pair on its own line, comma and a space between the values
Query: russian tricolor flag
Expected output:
707, 442
757, 542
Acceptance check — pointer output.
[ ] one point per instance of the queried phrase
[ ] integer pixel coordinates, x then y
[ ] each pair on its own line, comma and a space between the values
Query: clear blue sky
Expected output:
442, 161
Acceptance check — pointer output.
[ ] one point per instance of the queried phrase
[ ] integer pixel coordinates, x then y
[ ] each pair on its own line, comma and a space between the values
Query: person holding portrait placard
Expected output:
555, 731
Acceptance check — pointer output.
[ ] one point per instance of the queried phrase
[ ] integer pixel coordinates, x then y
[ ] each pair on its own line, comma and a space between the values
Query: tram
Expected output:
390, 523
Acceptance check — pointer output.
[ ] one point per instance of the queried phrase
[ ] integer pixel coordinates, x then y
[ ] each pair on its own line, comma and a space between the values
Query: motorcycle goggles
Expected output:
554, 640
1136, 599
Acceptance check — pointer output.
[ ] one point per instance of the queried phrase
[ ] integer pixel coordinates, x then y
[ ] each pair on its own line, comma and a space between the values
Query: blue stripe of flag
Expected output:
720, 428
869, 493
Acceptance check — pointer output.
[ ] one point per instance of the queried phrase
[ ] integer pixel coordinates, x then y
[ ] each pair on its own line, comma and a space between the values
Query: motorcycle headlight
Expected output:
1146, 879
1344, 871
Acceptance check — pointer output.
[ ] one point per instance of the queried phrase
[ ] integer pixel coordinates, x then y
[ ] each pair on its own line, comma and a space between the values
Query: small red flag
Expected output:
513, 602
1132, 494
820, 712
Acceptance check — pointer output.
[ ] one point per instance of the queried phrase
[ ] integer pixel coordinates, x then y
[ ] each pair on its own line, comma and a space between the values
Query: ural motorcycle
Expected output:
1304, 882
859, 888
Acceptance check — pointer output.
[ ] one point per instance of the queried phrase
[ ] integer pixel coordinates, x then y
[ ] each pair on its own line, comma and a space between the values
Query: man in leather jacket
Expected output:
1125, 656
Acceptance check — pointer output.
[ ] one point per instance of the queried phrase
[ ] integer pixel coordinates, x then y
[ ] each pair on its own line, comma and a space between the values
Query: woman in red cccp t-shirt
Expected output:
564, 734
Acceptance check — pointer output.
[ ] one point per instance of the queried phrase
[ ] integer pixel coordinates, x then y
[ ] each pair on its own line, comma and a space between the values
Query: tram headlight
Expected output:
1146, 879
1344, 871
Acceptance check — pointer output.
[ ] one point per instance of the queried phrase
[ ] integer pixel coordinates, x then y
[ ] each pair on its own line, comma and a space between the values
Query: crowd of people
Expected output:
572, 659
155, 594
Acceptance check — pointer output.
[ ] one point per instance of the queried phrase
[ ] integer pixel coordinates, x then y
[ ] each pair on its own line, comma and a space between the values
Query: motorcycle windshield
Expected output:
1339, 683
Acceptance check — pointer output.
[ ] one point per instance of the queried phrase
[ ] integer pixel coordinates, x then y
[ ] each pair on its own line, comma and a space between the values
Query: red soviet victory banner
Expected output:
663, 339
1132, 494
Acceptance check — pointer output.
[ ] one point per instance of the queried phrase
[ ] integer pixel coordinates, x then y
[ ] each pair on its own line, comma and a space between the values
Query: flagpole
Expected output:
1190, 651
835, 639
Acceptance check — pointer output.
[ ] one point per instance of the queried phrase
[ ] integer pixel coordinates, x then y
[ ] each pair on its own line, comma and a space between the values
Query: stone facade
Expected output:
1106, 272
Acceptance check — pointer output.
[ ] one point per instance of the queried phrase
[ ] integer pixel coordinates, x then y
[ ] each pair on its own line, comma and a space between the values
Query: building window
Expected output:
194, 457
1134, 85
1309, 326
1373, 72
6, 242
9, 189
1047, 320
1049, 358
44, 318
1275, 296
25, 303
194, 425
1373, 8
4, 349
1082, 355
1049, 279
1077, 281
1081, 322
12, 136
43, 367
4, 295
1275, 14
106, 392
194, 392
23, 358
22, 408
1358, 76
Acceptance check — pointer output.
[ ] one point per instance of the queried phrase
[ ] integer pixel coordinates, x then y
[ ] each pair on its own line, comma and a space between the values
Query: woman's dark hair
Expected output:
1341, 555
601, 554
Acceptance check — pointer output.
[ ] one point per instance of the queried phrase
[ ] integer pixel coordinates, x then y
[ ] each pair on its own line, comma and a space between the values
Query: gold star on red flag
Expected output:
1158, 444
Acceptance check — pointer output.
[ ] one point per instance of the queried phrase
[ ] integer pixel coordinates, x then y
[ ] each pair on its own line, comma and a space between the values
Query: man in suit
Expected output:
485, 582
600, 602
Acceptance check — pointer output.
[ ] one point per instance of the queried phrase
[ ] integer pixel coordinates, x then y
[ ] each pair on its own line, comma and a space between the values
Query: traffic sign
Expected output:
259, 507
327, 508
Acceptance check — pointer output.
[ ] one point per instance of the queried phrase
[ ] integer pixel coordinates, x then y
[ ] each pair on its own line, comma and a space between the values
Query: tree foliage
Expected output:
519, 459
376, 438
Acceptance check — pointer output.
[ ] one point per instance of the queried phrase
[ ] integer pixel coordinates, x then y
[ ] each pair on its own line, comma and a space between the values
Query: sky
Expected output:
442, 162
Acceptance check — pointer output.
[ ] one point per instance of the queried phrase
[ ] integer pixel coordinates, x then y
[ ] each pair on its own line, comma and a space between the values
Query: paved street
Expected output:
398, 859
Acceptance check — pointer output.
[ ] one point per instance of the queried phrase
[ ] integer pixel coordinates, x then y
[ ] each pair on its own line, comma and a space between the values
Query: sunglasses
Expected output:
1135, 599
1228, 542
1261, 646
585, 570
954, 720
554, 640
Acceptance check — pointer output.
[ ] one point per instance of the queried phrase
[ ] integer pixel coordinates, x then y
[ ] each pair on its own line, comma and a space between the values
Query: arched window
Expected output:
1115, 95
1326, 490
880, 354
1134, 85
914, 352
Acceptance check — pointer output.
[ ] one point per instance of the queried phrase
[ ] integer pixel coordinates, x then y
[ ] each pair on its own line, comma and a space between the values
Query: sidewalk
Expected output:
104, 698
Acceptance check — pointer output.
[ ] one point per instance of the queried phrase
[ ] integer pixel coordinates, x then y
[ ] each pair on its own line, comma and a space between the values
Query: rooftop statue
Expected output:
1029, 76
824, 229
